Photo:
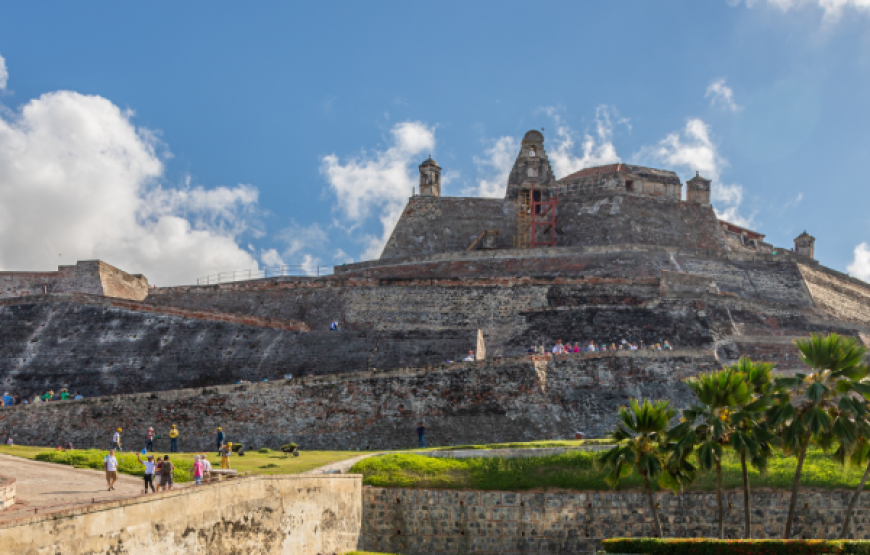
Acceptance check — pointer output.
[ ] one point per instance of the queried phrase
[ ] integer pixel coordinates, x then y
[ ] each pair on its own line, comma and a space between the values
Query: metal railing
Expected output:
260, 273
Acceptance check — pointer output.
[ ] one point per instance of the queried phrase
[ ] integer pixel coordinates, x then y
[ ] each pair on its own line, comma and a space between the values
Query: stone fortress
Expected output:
607, 254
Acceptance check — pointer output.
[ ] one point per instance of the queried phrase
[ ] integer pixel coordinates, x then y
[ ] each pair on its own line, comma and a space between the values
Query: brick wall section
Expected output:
92, 277
100, 346
513, 399
7, 492
426, 522
842, 296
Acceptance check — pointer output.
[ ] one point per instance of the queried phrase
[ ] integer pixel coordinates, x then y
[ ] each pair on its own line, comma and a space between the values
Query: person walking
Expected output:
206, 467
197, 470
149, 472
226, 451
421, 434
110, 465
166, 468
149, 441
219, 440
116, 439
173, 439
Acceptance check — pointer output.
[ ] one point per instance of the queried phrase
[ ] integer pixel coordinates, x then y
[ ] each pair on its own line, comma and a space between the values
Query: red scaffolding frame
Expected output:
536, 220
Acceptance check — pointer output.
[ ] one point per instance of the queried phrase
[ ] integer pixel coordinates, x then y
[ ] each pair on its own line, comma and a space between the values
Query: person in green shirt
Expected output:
46, 397
64, 394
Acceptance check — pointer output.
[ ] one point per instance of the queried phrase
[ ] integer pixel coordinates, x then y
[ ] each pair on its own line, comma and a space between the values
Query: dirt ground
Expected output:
48, 487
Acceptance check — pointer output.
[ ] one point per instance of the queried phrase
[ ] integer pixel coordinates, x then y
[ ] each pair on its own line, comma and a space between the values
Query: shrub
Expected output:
689, 546
289, 447
264, 450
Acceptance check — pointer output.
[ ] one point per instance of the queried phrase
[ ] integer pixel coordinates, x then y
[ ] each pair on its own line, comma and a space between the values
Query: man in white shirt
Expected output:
558, 348
150, 467
206, 468
470, 356
110, 465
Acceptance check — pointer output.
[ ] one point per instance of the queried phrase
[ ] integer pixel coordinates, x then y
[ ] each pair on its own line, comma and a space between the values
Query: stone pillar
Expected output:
698, 190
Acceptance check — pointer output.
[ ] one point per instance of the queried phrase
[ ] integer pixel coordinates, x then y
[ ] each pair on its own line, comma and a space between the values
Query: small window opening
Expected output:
532, 152
629, 186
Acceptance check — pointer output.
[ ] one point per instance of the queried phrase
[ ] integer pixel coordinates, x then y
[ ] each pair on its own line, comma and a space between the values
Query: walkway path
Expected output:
48, 487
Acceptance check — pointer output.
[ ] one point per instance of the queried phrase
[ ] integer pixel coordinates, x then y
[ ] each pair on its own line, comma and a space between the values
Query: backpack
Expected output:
166, 468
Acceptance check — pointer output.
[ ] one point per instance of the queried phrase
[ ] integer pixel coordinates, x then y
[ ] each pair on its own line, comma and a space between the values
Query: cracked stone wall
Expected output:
260, 515
509, 399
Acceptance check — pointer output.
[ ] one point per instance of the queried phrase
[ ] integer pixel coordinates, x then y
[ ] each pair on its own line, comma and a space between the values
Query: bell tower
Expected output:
430, 178
805, 244
531, 168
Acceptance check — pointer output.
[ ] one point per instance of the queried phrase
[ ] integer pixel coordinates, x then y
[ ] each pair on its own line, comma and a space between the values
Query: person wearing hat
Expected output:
149, 440
150, 468
116, 439
226, 451
173, 439
46, 397
219, 440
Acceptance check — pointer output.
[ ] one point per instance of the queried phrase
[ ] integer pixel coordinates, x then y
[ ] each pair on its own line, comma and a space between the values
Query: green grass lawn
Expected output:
527, 444
576, 471
271, 462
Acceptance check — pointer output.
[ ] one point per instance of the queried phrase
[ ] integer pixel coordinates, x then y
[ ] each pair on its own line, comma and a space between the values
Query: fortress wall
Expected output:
96, 347
90, 277
430, 225
259, 515
426, 522
514, 399
614, 219
779, 282
840, 295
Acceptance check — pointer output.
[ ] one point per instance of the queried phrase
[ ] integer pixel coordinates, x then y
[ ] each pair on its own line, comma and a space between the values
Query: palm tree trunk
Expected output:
851, 508
652, 507
795, 487
747, 515
719, 499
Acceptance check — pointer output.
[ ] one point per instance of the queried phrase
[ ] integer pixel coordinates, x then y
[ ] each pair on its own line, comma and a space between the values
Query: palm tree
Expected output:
858, 453
720, 394
836, 364
750, 436
641, 447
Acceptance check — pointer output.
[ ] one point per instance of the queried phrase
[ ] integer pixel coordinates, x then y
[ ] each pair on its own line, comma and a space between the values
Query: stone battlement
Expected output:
90, 276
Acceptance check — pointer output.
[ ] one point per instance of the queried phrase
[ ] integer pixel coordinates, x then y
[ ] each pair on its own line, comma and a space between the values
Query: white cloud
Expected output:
311, 265
833, 8
271, 258
495, 166
299, 238
598, 148
4, 74
721, 94
342, 257
693, 150
860, 266
79, 181
379, 182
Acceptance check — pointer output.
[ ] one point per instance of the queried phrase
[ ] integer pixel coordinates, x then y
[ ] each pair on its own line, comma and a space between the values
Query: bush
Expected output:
289, 447
264, 450
127, 463
688, 546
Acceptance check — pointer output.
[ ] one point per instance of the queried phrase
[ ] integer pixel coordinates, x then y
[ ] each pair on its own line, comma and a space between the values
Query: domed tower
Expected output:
531, 168
805, 244
698, 190
430, 178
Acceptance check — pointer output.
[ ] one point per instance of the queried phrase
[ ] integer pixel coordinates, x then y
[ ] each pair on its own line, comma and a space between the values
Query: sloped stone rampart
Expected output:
515, 399
260, 515
427, 522
93, 277
99, 346
840, 295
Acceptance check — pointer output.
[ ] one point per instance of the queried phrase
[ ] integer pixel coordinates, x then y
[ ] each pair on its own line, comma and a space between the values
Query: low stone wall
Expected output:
7, 492
496, 400
298, 515
427, 522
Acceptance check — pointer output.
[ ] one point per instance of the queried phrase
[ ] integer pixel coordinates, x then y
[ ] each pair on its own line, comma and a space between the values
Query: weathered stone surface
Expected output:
260, 515
511, 399
425, 522
90, 276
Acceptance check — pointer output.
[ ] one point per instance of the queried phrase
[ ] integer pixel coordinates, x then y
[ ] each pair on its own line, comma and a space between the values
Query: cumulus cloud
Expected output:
4, 74
380, 182
495, 167
693, 150
296, 238
860, 265
833, 9
597, 146
721, 95
78, 181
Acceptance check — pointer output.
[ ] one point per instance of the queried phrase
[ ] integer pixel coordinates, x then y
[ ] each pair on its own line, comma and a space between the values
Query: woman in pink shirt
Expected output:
197, 470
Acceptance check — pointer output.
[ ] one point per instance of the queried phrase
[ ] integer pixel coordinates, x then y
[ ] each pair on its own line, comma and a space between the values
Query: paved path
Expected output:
49, 487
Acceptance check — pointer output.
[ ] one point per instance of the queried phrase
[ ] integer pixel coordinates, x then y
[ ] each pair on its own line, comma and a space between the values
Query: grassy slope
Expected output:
576, 471
273, 462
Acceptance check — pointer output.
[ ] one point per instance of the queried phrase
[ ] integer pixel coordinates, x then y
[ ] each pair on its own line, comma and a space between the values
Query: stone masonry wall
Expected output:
427, 522
100, 346
840, 295
7, 492
259, 515
90, 277
512, 399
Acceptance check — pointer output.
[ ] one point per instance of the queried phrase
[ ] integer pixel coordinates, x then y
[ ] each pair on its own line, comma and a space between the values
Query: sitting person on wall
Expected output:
591, 347
576, 348
78, 396
558, 348
667, 346
658, 347
47, 396
613, 346
470, 357
7, 399
333, 326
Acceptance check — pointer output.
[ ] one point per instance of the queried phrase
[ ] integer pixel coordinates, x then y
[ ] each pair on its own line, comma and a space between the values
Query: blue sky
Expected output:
179, 140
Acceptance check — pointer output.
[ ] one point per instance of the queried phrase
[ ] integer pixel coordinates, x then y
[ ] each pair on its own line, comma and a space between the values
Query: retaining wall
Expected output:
512, 399
298, 515
426, 522
7, 492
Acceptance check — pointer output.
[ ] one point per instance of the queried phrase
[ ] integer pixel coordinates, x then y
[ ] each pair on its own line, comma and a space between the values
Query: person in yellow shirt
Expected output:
226, 451
173, 439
